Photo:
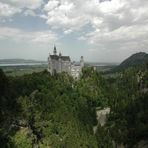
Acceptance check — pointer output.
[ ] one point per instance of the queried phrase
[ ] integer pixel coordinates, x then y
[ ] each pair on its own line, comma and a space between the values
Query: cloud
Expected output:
18, 35
63, 14
75, 15
31, 4
7, 10
103, 25
29, 12
125, 25
68, 31
104, 15
111, 6
115, 26
120, 36
52, 4
44, 37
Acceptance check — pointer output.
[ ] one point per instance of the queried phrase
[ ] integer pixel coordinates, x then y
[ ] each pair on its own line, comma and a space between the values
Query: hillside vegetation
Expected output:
40, 110
134, 60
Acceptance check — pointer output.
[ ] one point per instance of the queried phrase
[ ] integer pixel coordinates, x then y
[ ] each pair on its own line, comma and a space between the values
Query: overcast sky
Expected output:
100, 30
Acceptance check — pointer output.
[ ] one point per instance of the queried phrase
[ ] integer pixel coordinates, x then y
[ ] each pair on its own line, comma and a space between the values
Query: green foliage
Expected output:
128, 122
22, 139
52, 111
40, 110
104, 138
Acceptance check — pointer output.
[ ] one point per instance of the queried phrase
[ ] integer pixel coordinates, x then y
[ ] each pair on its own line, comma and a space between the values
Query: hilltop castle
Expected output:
59, 63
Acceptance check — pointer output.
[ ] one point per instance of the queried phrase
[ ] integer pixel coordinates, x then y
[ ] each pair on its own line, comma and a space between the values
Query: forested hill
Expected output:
39, 110
134, 60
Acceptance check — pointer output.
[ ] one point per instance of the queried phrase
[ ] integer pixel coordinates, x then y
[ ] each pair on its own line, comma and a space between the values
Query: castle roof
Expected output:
56, 57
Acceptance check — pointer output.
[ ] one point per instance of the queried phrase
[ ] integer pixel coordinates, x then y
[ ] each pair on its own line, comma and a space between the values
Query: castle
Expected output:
59, 63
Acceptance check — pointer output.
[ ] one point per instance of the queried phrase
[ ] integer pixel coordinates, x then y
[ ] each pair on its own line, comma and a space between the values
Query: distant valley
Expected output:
20, 61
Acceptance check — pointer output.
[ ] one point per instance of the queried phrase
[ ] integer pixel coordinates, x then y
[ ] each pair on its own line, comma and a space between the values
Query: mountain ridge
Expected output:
136, 59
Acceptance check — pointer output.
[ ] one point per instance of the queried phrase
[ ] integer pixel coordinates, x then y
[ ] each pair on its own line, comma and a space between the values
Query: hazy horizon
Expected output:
105, 31
71, 60
36, 60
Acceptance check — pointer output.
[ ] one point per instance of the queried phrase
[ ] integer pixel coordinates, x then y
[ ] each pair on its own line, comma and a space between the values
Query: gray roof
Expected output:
56, 57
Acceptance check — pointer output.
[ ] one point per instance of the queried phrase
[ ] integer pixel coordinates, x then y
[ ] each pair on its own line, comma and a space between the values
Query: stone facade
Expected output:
59, 63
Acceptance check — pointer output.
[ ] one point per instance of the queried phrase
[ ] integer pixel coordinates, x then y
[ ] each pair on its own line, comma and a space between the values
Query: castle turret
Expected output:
82, 61
54, 50
60, 54
60, 62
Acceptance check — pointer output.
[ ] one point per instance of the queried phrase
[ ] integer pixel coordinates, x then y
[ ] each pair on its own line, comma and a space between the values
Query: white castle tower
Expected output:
59, 63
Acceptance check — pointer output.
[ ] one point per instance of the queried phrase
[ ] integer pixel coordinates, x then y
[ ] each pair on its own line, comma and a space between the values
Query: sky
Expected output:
99, 30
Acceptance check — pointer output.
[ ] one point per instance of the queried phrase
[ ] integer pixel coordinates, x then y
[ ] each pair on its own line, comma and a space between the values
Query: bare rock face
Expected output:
101, 117
120, 146
142, 144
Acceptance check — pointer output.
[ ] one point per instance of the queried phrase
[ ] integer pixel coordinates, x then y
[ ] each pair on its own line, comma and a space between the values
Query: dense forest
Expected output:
39, 110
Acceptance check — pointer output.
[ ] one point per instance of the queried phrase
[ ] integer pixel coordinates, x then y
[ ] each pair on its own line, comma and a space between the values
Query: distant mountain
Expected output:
134, 60
16, 61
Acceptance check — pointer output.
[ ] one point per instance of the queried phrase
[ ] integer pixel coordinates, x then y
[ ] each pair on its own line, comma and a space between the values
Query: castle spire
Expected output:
54, 50
82, 61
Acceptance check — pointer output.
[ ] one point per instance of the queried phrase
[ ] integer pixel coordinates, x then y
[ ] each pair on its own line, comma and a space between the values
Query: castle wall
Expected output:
58, 65
76, 71
66, 66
